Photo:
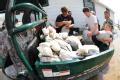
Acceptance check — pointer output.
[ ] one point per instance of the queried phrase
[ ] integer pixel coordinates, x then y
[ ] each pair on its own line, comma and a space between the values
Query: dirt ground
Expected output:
113, 72
110, 73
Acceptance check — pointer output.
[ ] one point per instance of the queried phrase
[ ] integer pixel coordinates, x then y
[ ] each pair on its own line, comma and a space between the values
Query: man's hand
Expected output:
94, 28
107, 40
89, 34
97, 32
68, 27
67, 24
59, 24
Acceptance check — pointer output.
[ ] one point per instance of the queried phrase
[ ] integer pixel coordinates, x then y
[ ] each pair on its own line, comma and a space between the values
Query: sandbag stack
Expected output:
61, 47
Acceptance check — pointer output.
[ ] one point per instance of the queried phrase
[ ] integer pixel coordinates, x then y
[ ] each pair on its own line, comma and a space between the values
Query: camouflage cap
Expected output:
109, 22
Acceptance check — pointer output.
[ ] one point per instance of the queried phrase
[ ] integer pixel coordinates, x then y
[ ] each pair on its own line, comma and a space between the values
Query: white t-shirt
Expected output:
91, 21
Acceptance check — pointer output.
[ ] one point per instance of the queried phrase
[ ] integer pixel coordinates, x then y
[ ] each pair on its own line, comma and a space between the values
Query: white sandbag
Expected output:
45, 59
58, 36
73, 54
45, 44
64, 29
45, 51
81, 52
67, 55
55, 58
74, 42
49, 59
90, 47
88, 50
104, 34
64, 45
64, 55
53, 35
55, 46
51, 29
63, 35
48, 39
45, 31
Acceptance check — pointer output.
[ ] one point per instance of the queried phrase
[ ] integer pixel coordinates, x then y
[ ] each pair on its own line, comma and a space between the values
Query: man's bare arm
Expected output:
59, 24
106, 40
71, 25
94, 28
63, 23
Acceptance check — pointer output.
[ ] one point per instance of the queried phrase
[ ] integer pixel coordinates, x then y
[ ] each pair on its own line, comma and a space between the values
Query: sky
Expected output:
115, 6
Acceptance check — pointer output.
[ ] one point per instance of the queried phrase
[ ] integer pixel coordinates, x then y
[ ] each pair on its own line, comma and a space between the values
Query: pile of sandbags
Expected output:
53, 51
61, 47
